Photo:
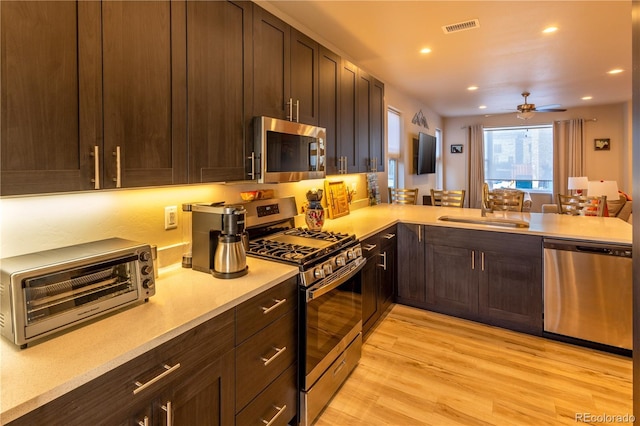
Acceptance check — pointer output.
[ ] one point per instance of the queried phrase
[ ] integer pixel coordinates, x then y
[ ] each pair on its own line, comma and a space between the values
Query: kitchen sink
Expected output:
493, 221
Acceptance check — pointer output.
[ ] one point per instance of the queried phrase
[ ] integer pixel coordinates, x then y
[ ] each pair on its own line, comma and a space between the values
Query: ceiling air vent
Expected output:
461, 26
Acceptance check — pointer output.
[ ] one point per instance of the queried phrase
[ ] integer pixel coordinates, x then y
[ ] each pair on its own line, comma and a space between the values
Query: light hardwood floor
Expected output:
423, 368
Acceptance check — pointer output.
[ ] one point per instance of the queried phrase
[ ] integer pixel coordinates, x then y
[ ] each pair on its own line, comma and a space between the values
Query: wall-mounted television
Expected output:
424, 154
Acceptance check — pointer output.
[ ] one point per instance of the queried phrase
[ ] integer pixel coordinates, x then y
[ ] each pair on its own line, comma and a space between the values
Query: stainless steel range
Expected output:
330, 296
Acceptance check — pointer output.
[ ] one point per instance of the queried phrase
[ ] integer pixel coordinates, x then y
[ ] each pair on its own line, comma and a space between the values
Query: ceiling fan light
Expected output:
526, 115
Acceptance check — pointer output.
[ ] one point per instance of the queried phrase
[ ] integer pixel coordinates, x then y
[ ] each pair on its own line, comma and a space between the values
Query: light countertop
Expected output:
185, 299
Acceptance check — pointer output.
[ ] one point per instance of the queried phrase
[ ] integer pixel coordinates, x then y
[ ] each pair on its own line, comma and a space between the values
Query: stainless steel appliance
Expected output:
588, 291
48, 291
217, 243
286, 151
330, 302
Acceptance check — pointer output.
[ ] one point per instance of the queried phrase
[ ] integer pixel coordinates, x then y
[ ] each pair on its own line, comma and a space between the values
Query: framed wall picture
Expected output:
456, 149
602, 144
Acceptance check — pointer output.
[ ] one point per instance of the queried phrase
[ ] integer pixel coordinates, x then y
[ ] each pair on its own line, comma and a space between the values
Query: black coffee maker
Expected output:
219, 238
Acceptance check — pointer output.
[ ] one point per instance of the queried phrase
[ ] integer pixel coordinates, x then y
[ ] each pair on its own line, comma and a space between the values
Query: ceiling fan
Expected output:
527, 110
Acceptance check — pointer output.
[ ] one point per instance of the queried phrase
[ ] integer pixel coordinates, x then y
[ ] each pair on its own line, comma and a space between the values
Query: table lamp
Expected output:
578, 183
606, 188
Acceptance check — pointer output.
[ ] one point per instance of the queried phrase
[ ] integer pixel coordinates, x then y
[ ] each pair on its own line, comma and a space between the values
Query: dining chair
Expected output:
447, 198
505, 199
403, 196
581, 205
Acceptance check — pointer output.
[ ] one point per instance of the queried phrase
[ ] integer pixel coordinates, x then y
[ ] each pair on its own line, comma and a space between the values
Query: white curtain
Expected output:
475, 142
568, 148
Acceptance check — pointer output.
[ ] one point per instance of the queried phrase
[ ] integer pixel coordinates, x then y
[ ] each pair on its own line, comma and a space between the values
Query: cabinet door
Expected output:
453, 282
272, 62
363, 121
329, 105
48, 131
370, 281
219, 73
377, 119
510, 288
142, 144
388, 276
304, 78
205, 398
348, 137
412, 284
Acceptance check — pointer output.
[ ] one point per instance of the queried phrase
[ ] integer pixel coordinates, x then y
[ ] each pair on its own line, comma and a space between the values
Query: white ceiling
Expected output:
505, 56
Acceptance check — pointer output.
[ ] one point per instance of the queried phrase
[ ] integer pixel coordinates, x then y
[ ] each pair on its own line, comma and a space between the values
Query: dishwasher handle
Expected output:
612, 249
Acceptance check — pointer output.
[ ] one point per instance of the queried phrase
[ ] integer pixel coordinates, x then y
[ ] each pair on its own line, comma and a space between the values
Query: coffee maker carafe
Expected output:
218, 245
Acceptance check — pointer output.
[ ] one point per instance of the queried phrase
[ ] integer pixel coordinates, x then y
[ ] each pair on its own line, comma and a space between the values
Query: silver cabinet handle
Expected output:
473, 260
279, 351
297, 110
482, 260
384, 260
389, 236
273, 419
252, 157
168, 410
369, 247
419, 233
290, 103
272, 307
118, 178
168, 370
144, 422
96, 167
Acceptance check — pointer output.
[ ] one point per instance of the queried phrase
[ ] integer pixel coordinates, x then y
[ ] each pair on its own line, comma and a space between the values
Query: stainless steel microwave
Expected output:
286, 151
46, 292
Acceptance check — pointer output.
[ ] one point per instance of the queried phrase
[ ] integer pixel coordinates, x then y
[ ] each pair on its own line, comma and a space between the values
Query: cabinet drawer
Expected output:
263, 357
111, 395
277, 403
258, 312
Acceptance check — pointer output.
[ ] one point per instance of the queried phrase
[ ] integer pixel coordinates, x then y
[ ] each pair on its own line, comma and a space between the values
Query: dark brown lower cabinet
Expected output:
378, 276
491, 277
412, 285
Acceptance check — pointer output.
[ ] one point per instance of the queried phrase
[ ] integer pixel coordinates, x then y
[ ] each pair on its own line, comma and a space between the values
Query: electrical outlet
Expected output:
170, 217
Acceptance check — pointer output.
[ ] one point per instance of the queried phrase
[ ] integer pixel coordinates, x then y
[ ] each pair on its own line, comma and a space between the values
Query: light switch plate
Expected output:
170, 217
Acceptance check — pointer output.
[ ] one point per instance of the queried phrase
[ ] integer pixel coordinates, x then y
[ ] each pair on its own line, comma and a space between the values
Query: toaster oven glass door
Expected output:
59, 293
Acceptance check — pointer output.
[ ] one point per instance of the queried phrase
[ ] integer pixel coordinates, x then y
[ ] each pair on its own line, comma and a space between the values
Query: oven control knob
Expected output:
358, 251
318, 273
351, 255
340, 260
144, 256
327, 269
146, 270
148, 283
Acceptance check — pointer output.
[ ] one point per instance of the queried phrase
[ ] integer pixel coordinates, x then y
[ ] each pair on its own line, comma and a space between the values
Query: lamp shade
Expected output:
598, 188
578, 182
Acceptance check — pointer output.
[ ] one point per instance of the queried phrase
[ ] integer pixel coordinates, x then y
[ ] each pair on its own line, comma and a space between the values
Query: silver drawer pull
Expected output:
273, 419
369, 247
143, 386
389, 236
144, 422
276, 355
275, 305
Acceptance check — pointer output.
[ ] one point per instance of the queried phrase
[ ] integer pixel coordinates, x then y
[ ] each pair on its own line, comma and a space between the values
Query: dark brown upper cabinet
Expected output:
219, 64
348, 154
285, 81
330, 65
90, 97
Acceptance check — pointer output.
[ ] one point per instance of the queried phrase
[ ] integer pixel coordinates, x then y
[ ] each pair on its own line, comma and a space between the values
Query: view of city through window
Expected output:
519, 157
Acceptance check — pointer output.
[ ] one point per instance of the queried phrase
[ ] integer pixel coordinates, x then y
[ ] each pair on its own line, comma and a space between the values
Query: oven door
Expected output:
332, 319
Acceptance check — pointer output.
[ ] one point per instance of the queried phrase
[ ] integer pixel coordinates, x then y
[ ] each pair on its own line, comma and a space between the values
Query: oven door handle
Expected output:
314, 292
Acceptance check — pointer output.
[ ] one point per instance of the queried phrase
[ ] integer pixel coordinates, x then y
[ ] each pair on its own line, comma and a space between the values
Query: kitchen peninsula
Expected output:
186, 299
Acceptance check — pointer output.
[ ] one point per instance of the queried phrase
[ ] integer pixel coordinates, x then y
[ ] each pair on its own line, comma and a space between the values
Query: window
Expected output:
393, 149
519, 157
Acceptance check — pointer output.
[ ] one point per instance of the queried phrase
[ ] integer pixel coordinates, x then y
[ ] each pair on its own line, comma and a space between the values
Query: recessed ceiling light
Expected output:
550, 30
615, 71
425, 50
482, 107
472, 88
587, 98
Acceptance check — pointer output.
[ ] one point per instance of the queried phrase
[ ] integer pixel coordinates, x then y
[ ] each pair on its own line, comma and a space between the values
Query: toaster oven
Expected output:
46, 292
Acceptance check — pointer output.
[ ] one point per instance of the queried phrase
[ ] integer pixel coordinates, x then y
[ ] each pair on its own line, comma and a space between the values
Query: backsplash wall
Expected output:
34, 223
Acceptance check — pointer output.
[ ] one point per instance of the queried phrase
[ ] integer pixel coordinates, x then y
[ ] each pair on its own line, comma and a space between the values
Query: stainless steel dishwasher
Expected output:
587, 291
